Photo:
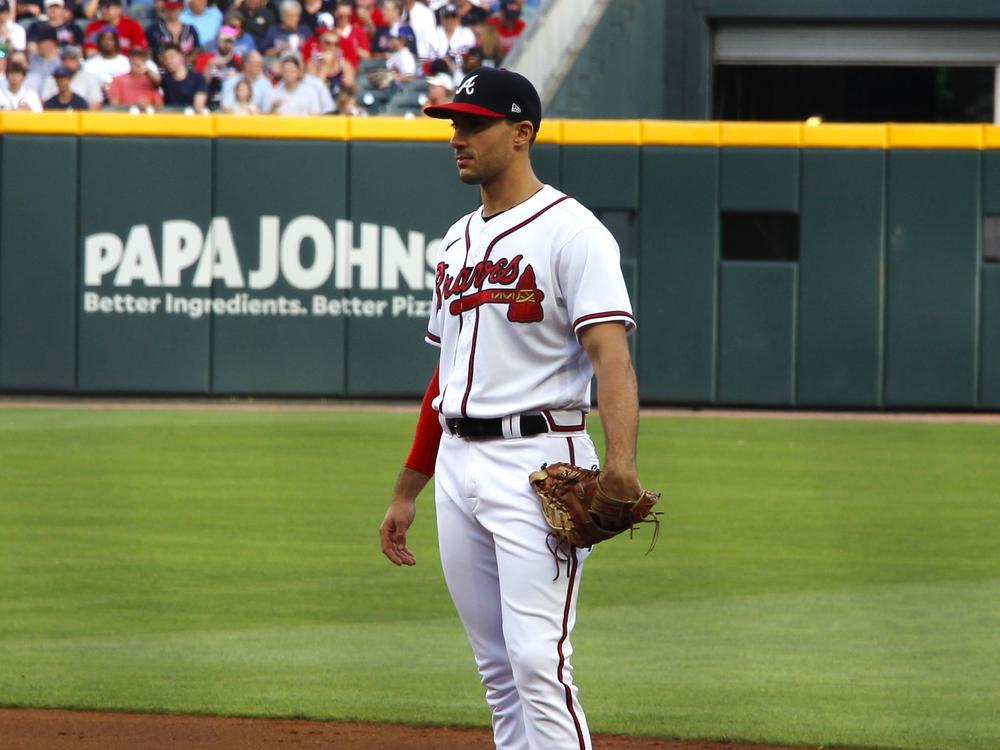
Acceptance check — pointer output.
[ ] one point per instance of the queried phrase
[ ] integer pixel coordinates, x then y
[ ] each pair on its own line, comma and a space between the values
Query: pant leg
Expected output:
538, 613
468, 559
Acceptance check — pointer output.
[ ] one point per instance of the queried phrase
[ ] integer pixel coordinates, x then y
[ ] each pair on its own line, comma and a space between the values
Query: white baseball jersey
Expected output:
511, 297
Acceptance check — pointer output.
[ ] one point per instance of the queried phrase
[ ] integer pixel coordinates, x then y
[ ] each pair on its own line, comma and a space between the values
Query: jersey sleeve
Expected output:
590, 279
435, 322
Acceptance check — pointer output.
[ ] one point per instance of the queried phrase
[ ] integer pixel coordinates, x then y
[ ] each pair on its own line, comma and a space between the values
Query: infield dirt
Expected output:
33, 729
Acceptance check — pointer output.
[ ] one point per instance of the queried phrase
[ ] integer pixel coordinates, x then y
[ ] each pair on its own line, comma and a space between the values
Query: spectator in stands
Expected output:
11, 31
130, 33
509, 24
291, 96
258, 17
81, 83
44, 62
290, 34
313, 9
368, 16
402, 64
328, 64
65, 99
16, 95
139, 87
488, 40
109, 61
61, 21
452, 39
242, 100
440, 89
206, 19
244, 42
353, 39
181, 87
218, 67
324, 23
469, 13
170, 29
260, 86
348, 106
421, 20
392, 12
472, 59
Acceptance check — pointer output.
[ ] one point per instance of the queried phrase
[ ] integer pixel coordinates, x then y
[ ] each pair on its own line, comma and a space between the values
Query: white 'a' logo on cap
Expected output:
468, 86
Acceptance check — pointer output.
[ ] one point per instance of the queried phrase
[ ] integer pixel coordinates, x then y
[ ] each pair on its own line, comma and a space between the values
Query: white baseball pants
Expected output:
500, 573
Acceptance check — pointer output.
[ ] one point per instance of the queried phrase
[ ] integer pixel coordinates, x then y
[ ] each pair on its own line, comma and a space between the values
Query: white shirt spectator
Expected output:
402, 63
424, 25
461, 41
304, 100
16, 35
104, 69
25, 98
326, 102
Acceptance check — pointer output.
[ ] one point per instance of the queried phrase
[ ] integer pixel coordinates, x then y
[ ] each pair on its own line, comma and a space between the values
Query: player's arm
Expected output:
413, 477
618, 403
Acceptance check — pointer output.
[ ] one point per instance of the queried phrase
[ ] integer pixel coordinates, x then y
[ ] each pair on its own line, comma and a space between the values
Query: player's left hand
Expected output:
621, 482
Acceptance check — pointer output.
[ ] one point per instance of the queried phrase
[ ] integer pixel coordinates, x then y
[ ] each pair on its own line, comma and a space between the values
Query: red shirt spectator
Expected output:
140, 86
130, 33
353, 40
509, 24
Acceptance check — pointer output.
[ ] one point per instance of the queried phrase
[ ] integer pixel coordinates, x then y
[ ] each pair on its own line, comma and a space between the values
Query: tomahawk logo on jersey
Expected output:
495, 276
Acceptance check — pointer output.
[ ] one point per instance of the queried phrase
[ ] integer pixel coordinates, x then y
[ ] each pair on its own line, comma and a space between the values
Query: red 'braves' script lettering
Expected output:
501, 271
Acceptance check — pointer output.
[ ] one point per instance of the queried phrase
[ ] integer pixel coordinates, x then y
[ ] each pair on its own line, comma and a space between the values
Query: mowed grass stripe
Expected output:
816, 582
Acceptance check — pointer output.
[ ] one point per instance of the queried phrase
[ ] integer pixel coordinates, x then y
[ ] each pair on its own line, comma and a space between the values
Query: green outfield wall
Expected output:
776, 265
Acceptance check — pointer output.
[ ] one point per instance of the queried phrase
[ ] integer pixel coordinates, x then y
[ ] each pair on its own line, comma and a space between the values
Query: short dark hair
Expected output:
15, 67
167, 46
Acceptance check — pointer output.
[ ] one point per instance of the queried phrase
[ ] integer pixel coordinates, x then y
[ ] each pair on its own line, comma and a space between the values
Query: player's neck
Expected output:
512, 187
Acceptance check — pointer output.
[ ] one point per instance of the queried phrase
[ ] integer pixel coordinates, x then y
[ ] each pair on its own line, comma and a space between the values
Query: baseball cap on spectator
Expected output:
173, 3
291, 56
325, 20
4, 6
441, 79
70, 50
106, 29
228, 32
474, 52
60, 3
493, 92
449, 10
45, 32
510, 8
111, 2
62, 72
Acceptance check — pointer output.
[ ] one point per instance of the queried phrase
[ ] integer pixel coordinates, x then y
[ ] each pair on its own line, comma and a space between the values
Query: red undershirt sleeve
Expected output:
427, 438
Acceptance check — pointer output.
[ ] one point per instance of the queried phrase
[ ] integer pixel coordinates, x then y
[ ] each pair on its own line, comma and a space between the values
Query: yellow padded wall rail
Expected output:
566, 132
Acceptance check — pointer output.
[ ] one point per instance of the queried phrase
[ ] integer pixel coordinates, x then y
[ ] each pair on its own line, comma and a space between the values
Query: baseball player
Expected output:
529, 304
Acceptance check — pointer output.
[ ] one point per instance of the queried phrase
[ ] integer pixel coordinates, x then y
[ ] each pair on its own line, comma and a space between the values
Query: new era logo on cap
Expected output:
493, 92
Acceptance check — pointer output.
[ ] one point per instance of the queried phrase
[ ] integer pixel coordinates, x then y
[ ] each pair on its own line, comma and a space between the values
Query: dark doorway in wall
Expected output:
853, 93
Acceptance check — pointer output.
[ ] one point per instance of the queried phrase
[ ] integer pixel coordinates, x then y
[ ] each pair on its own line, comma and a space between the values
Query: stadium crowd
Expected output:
287, 57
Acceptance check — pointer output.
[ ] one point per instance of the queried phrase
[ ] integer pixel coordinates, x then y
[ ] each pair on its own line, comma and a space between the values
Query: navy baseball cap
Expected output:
493, 92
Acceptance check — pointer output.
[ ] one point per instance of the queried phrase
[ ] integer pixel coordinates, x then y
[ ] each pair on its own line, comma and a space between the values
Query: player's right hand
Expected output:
397, 520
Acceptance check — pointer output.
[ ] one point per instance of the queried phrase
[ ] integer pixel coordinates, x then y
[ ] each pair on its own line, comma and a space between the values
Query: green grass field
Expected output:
821, 582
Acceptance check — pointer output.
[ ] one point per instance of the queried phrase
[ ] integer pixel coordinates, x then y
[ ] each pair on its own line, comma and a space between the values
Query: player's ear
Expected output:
524, 134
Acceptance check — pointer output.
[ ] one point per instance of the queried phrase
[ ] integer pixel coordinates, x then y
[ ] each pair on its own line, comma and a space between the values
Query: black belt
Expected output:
464, 427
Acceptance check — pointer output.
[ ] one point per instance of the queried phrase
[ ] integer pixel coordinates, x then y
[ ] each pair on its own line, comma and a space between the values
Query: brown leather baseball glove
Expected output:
580, 513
